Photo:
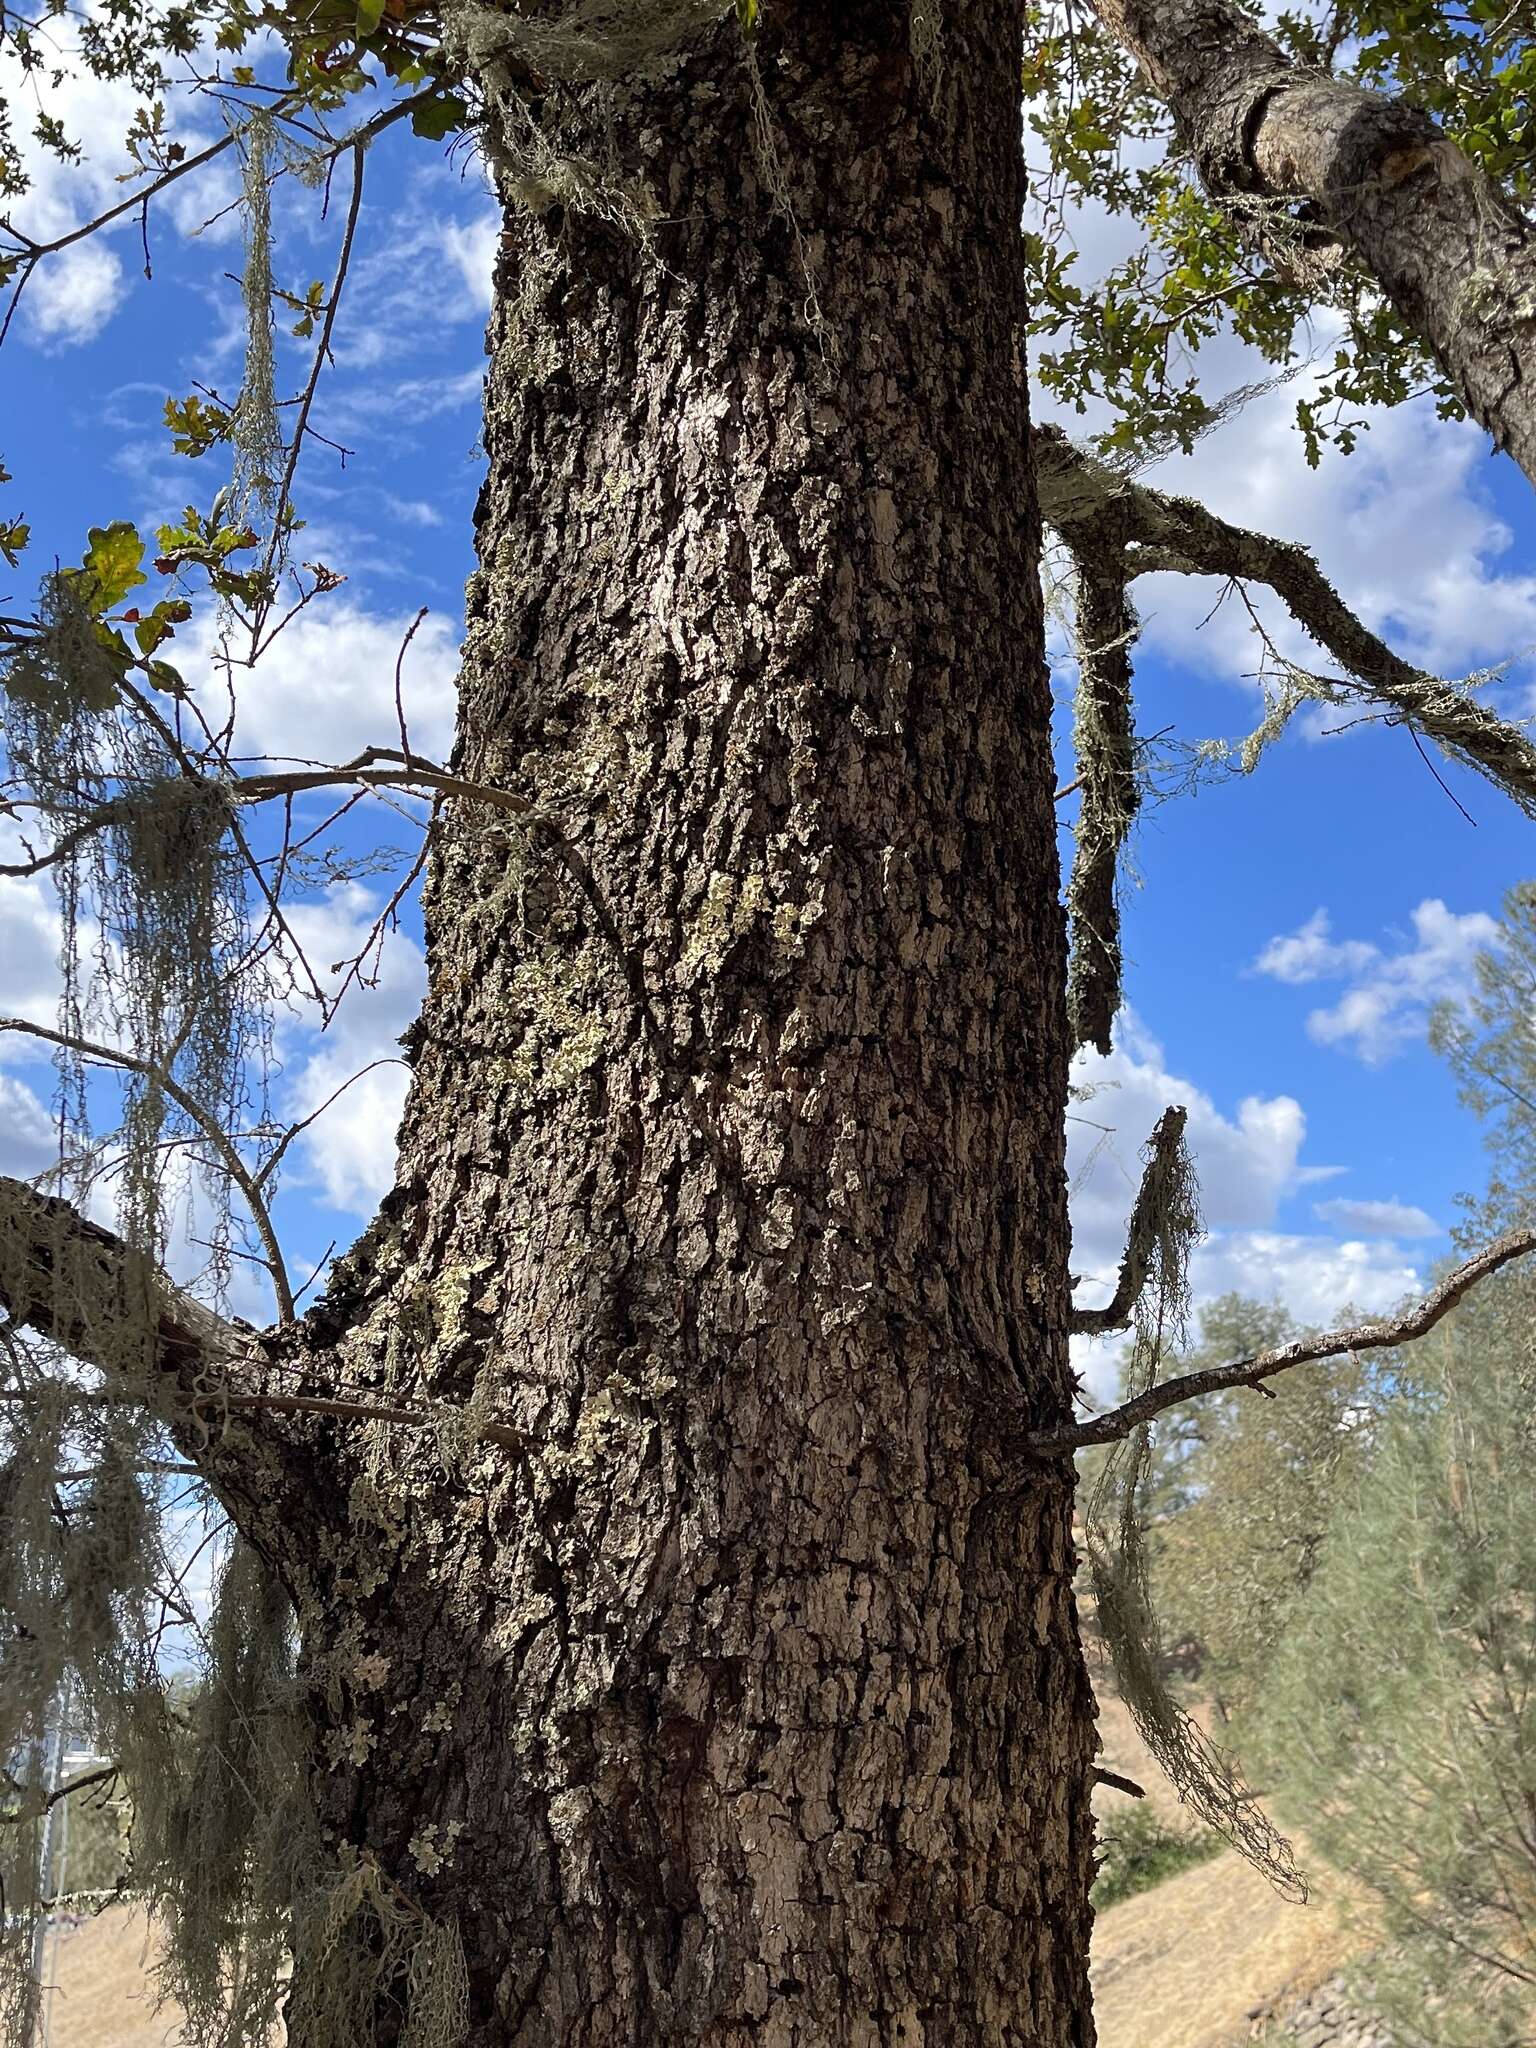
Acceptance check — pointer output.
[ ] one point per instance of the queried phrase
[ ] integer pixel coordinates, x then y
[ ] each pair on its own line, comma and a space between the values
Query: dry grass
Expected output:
1184, 1964
102, 1993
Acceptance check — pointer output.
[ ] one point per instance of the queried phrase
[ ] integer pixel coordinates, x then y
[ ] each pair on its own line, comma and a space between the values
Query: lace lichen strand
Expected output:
362, 1944
255, 431
153, 911
1167, 1227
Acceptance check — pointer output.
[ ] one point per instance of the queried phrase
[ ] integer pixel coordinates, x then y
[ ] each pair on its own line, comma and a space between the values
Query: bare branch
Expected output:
36, 1808
1140, 1234
1118, 1784
1378, 1335
322, 354
1162, 532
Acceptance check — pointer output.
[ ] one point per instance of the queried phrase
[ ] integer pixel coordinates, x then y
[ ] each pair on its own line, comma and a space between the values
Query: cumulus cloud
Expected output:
1377, 1219
29, 946
73, 294
1311, 954
325, 687
1389, 994
1315, 1277
349, 1153
28, 1138
1249, 1159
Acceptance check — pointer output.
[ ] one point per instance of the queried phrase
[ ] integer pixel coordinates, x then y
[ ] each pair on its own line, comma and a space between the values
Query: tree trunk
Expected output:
743, 1702
1456, 256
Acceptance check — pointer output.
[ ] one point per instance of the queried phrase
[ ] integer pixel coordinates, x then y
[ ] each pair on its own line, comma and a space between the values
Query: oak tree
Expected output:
651, 1617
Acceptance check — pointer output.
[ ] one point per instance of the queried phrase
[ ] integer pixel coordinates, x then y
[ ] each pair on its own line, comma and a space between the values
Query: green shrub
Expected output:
1141, 1849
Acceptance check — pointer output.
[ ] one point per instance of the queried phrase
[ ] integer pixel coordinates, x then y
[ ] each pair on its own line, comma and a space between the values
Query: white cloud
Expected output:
414, 511
350, 1151
72, 294
28, 1136
1316, 1278
1378, 1219
29, 947
1309, 954
471, 248
1389, 996
1247, 1161
325, 687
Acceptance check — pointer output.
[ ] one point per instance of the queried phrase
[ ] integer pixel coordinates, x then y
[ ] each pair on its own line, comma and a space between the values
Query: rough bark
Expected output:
1451, 251
745, 1703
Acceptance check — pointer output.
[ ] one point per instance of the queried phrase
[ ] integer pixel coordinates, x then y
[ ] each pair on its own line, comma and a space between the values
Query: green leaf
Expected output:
196, 427
369, 14
161, 624
112, 563
13, 538
438, 117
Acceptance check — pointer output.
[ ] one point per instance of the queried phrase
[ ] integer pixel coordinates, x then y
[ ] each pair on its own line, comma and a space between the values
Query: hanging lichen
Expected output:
156, 945
613, 45
361, 1944
254, 428
1114, 1522
223, 1845
925, 35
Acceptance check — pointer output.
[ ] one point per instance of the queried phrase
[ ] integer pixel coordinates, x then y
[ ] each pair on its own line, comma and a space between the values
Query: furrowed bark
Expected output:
739, 1705
1452, 252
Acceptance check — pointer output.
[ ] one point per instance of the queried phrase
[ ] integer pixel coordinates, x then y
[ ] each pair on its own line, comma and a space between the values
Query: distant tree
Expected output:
1397, 1721
1248, 1498
1358, 1557
1490, 1044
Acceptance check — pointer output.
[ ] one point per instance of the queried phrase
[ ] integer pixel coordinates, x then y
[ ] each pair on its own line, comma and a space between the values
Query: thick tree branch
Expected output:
1161, 532
1105, 742
1451, 251
78, 1284
1378, 1335
74, 1282
1140, 1234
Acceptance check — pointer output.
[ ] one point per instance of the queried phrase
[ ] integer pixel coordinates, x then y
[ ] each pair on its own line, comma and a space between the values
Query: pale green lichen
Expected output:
362, 1949
726, 914
431, 1846
564, 1032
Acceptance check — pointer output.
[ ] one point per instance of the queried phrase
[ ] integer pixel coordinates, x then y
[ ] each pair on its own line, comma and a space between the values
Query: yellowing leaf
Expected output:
112, 563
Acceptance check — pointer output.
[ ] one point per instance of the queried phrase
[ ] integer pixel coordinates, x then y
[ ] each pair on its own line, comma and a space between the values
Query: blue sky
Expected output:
1291, 929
